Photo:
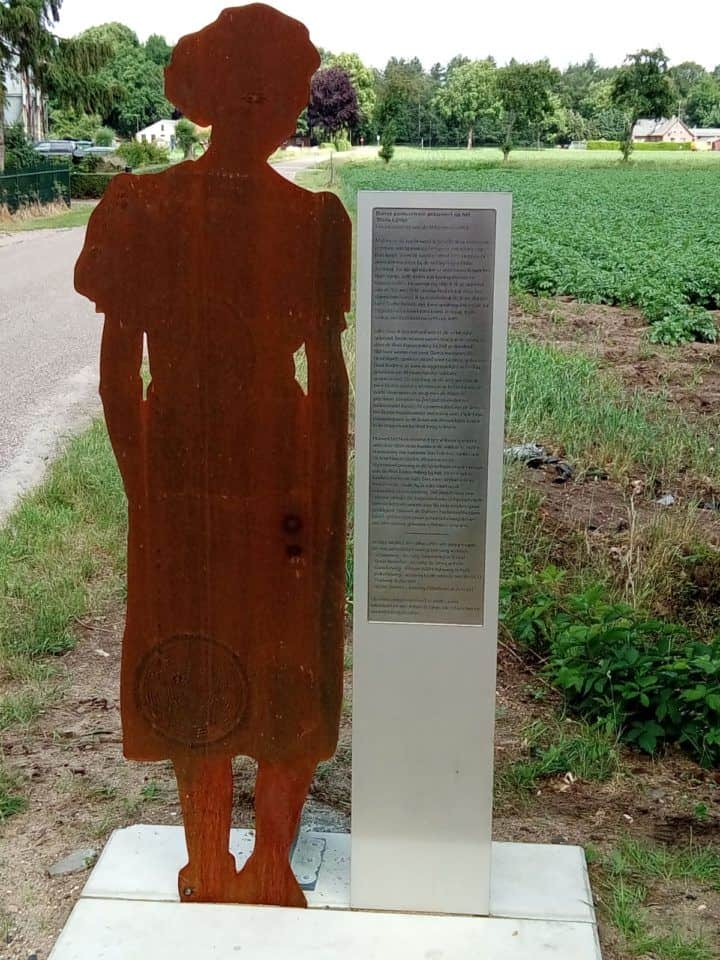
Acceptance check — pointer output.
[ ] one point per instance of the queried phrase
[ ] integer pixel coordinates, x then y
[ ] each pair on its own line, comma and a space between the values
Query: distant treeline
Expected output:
461, 102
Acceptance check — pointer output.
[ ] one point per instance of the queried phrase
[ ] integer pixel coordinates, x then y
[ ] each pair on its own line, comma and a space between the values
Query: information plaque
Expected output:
431, 315
431, 340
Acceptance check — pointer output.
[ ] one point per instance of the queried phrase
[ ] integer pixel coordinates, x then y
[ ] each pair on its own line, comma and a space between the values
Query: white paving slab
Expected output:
142, 862
128, 930
540, 900
529, 881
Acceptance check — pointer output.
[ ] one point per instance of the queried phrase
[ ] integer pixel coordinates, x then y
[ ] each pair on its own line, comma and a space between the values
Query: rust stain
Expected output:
235, 478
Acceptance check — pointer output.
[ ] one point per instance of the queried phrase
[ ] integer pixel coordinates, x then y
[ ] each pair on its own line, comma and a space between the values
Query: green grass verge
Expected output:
77, 216
61, 559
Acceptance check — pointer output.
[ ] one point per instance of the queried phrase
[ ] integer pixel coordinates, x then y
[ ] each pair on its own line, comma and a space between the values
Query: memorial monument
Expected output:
220, 274
220, 271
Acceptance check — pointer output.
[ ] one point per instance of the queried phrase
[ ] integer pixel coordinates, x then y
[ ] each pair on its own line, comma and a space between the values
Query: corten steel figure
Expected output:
235, 477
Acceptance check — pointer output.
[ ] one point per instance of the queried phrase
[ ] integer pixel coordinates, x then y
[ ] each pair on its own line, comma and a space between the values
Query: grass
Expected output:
576, 750
11, 800
61, 559
61, 218
626, 877
563, 399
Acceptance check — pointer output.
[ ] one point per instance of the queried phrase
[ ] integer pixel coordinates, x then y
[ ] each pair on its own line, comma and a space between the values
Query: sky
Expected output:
565, 31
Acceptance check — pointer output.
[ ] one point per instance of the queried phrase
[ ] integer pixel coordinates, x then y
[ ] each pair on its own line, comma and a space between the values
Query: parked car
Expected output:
71, 149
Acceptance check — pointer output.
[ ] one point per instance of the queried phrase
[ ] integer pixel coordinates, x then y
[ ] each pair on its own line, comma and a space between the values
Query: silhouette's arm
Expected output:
121, 391
104, 275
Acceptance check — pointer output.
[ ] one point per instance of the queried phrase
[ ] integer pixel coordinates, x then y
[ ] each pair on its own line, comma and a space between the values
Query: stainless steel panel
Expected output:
431, 343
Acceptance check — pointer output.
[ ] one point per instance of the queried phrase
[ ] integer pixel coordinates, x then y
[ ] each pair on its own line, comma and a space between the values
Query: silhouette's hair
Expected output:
247, 59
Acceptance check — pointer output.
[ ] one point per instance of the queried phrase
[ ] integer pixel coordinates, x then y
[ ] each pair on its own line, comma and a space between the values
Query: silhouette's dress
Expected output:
236, 478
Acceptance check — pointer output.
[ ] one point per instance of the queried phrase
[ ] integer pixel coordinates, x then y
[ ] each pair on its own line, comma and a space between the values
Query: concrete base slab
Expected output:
541, 906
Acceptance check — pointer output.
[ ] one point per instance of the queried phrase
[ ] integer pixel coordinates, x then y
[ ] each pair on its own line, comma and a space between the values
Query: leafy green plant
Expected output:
684, 325
649, 679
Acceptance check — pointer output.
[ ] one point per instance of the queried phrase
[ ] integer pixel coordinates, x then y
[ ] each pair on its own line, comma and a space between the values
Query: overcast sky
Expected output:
565, 31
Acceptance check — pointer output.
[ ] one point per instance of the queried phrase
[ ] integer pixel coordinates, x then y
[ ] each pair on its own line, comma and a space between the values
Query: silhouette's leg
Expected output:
205, 786
280, 792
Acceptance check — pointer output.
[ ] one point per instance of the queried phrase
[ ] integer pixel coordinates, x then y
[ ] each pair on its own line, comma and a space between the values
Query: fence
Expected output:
42, 184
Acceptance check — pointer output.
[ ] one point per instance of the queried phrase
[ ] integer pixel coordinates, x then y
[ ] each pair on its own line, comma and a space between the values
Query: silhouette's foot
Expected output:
203, 886
268, 880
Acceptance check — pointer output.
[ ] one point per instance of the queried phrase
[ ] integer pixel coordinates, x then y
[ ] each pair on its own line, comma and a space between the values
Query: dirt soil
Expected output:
687, 374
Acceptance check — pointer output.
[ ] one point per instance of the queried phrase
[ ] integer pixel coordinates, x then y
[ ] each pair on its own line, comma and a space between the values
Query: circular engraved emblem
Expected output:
192, 690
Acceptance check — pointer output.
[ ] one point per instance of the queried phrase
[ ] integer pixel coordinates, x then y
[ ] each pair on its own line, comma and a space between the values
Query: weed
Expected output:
152, 791
11, 800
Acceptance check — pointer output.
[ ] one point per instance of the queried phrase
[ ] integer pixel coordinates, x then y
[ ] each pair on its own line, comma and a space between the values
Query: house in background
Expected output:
161, 133
662, 131
707, 138
24, 103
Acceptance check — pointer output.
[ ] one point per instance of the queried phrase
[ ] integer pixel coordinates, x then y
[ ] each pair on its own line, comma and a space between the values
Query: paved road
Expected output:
49, 341
49, 344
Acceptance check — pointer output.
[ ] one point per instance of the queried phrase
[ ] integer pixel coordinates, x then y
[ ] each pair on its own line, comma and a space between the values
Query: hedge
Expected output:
615, 145
89, 186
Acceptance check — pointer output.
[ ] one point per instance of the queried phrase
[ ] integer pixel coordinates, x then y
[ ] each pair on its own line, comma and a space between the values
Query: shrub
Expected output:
342, 144
141, 154
104, 137
603, 145
89, 186
615, 145
387, 143
651, 679
19, 154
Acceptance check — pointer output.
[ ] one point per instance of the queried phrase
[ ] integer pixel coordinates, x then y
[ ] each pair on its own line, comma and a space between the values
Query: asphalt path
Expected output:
49, 343
49, 347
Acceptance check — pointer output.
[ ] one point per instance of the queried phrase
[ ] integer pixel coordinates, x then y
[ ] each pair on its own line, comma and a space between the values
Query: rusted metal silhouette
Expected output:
235, 476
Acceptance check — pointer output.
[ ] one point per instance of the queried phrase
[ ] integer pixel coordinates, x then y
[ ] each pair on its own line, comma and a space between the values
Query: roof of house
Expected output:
656, 128
706, 133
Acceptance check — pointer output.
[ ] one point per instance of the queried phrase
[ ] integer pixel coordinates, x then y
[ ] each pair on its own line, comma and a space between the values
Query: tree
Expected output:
158, 50
187, 136
524, 93
387, 143
362, 79
642, 88
405, 98
469, 96
63, 70
333, 102
702, 107
138, 81
684, 77
73, 124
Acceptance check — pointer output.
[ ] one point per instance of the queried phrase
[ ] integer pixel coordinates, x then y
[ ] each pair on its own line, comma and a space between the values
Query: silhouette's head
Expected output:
248, 72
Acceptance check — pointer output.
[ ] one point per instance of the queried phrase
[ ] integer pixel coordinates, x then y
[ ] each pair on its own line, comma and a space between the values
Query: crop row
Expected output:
643, 235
